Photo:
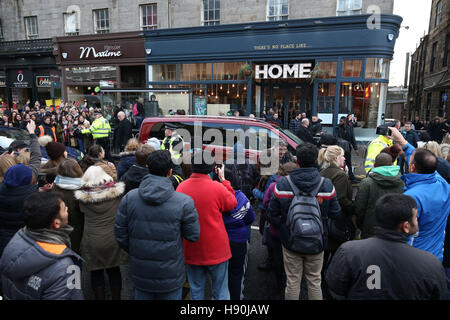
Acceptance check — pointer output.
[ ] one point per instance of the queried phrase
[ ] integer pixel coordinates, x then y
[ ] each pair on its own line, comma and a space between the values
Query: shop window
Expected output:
327, 69
211, 12
163, 72
348, 7
351, 68
377, 68
101, 21
363, 100
195, 71
227, 70
71, 27
31, 28
325, 97
277, 10
148, 17
91, 74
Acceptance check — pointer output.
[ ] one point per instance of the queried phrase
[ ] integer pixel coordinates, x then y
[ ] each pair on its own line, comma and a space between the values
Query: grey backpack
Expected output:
304, 221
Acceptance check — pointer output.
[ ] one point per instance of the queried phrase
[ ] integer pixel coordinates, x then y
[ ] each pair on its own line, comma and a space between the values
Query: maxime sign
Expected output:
109, 51
283, 71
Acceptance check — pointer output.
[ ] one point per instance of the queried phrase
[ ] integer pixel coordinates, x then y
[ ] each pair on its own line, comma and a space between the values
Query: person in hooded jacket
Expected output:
385, 267
99, 199
382, 179
127, 158
133, 177
19, 182
150, 224
67, 181
237, 222
38, 264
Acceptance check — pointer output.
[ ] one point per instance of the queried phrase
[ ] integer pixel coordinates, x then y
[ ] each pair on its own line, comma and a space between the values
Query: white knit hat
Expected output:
154, 142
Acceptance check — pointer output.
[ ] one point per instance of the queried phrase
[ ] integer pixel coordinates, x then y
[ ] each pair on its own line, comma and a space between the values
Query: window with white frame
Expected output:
31, 28
348, 7
277, 10
71, 23
148, 17
211, 12
101, 21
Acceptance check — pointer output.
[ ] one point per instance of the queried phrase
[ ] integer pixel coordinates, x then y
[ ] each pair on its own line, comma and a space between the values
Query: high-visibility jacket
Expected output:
177, 154
99, 128
42, 132
374, 149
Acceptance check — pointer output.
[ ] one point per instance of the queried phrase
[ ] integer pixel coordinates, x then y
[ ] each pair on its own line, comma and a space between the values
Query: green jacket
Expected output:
380, 181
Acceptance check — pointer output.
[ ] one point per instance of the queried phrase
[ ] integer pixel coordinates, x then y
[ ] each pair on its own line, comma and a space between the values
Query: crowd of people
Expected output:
176, 222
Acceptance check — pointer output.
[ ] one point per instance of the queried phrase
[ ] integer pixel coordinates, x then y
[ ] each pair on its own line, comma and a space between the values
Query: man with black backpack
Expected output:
300, 206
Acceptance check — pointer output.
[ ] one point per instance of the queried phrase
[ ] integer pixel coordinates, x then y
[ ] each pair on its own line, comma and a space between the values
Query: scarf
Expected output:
68, 183
57, 236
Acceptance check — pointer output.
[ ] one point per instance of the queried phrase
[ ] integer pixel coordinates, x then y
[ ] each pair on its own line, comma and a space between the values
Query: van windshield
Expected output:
291, 135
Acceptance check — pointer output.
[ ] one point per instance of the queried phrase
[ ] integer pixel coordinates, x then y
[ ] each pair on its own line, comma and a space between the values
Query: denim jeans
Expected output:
219, 276
144, 295
139, 120
447, 272
81, 145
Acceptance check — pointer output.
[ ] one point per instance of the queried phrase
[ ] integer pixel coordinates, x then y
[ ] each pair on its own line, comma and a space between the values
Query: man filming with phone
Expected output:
384, 140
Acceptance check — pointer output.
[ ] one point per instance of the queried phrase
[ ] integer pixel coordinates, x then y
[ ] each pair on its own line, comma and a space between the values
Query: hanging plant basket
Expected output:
246, 72
317, 73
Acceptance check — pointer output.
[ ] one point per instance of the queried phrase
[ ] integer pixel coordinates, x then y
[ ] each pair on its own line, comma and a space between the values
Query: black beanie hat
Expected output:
199, 162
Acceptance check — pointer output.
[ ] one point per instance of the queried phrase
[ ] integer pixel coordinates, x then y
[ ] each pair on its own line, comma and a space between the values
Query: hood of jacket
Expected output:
387, 171
25, 258
155, 189
135, 174
412, 179
306, 179
98, 196
387, 177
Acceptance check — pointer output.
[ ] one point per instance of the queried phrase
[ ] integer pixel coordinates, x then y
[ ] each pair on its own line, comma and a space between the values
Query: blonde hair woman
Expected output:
434, 147
6, 161
127, 158
332, 162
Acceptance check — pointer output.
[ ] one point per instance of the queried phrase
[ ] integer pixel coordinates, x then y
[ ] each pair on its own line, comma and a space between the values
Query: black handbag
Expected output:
341, 229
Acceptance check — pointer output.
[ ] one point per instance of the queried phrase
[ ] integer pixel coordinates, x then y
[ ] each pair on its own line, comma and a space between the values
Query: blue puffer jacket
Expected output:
237, 220
30, 272
127, 159
150, 224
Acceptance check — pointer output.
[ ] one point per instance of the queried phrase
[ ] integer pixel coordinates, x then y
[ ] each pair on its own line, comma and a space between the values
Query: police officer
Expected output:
384, 140
171, 140
100, 130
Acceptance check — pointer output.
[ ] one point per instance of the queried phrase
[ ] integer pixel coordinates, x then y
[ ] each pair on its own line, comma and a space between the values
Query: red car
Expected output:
258, 135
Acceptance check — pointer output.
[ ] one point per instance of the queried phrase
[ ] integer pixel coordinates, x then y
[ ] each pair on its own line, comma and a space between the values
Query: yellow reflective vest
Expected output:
374, 149
171, 141
100, 128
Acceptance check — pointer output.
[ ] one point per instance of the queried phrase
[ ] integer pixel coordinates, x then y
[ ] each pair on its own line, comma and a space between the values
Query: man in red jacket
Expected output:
210, 254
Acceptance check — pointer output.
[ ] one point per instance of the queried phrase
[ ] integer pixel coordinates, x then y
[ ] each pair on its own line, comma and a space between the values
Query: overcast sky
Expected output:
416, 15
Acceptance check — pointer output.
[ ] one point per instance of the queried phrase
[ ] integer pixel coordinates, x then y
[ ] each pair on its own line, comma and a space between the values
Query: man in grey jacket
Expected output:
150, 224
38, 264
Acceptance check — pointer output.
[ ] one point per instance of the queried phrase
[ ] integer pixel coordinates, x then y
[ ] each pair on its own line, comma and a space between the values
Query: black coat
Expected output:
404, 272
123, 133
346, 132
412, 137
305, 134
133, 177
11, 202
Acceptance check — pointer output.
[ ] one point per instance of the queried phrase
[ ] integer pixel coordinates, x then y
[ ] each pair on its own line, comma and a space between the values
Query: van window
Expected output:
232, 130
261, 138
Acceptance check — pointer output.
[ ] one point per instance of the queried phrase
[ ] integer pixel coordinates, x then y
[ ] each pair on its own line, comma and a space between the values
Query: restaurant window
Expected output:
377, 68
195, 71
227, 70
163, 72
91, 74
348, 7
31, 28
101, 21
211, 12
325, 97
363, 100
71, 27
327, 70
351, 68
277, 10
148, 17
